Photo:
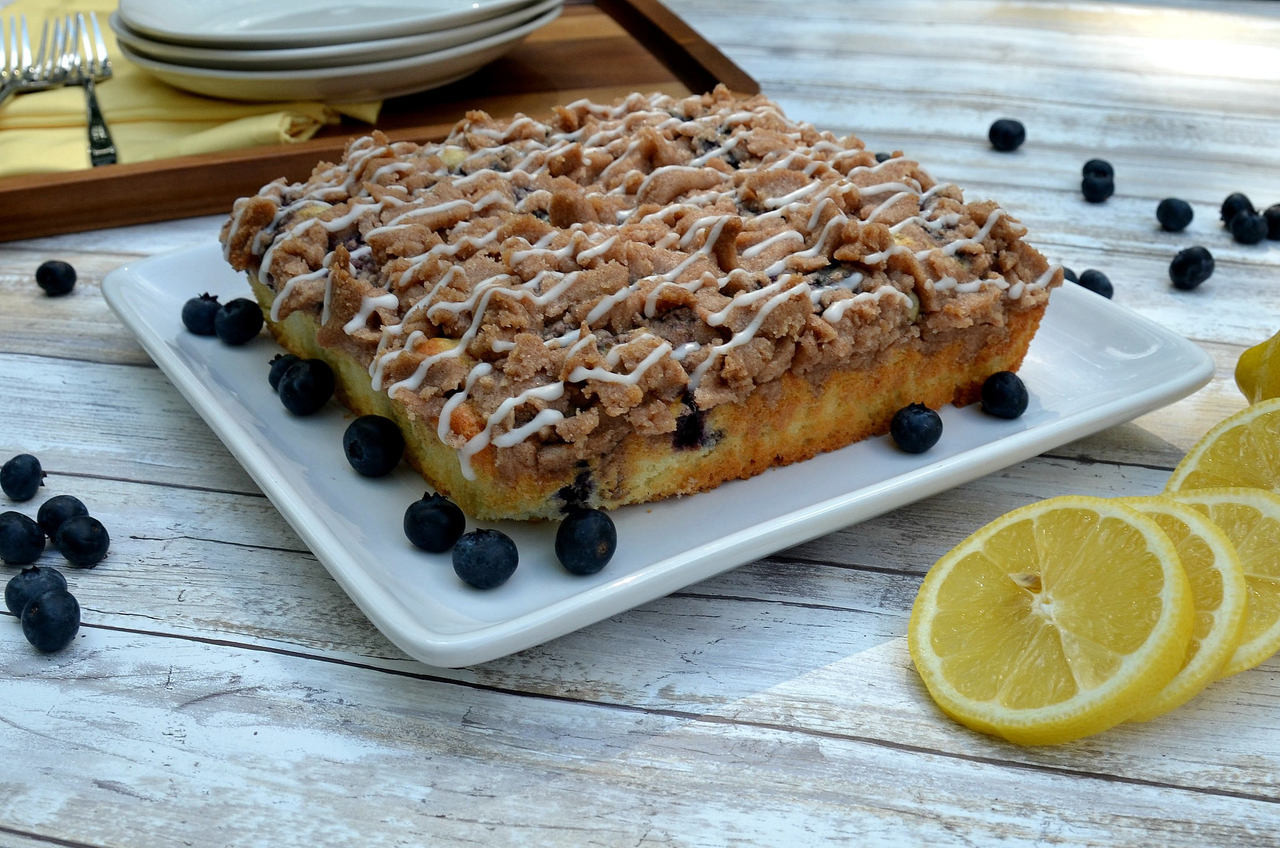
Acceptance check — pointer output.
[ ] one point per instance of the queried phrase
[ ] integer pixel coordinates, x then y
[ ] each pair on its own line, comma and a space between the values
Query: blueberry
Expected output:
83, 541
21, 476
237, 321
1174, 214
56, 278
1190, 268
198, 314
1004, 395
1248, 228
373, 445
1272, 217
485, 558
1069, 274
585, 541
1096, 188
1098, 168
57, 510
883, 157
279, 364
1234, 205
1097, 282
21, 539
50, 620
434, 523
31, 583
1007, 134
305, 386
916, 428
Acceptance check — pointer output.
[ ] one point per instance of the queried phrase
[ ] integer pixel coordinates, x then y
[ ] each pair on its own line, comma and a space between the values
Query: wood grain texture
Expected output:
224, 691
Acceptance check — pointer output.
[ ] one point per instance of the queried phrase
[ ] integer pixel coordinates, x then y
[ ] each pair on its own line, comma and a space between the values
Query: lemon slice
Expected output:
1052, 622
1242, 450
1251, 520
1218, 594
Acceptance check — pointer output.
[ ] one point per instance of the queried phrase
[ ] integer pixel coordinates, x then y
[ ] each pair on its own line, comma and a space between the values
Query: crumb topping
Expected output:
557, 284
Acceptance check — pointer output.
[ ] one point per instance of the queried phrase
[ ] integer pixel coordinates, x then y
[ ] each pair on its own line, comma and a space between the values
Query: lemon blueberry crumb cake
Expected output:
621, 303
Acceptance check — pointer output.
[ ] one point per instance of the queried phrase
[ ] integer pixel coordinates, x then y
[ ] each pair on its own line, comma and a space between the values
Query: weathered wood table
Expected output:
224, 691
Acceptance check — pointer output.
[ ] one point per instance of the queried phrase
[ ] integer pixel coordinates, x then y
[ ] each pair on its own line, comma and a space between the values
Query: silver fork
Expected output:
19, 71
91, 66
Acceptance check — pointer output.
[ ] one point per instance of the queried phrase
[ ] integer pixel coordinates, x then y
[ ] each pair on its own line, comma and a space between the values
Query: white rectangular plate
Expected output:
1092, 365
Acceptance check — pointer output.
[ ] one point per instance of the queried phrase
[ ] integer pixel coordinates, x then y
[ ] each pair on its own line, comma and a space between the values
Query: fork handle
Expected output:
102, 150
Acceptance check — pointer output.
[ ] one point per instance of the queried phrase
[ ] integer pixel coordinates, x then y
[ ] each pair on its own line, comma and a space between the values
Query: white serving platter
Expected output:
345, 53
344, 83
250, 24
1093, 364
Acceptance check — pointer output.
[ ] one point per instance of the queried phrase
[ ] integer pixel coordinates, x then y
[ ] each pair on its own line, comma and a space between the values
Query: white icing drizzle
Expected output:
360, 320
745, 335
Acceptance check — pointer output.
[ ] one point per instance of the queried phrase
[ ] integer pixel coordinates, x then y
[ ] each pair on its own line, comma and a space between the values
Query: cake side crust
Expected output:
794, 421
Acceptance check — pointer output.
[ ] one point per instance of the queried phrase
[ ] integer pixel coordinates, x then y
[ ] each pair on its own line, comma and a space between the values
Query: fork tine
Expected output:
41, 55
100, 45
26, 42
4, 53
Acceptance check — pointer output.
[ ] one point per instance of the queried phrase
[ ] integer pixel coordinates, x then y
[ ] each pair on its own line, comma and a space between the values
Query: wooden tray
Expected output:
602, 50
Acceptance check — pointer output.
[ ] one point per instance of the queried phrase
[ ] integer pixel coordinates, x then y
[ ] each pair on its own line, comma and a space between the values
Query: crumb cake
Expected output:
619, 303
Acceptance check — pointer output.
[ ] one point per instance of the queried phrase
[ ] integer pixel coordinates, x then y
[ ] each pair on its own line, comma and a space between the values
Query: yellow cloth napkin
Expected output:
45, 131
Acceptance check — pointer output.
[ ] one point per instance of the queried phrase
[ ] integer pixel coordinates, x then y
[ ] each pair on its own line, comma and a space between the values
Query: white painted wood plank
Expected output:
800, 641
312, 752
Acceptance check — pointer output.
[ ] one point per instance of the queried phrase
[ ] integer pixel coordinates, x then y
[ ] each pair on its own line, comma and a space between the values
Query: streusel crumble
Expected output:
619, 303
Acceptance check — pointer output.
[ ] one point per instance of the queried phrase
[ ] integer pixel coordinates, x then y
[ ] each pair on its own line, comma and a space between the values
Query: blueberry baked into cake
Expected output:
619, 303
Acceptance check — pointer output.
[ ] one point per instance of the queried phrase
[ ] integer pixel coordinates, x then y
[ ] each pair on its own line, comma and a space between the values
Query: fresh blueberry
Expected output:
1174, 214
1097, 282
916, 428
198, 314
21, 477
1248, 228
83, 541
585, 541
57, 510
1190, 268
434, 523
1098, 168
883, 157
237, 321
1234, 205
305, 386
1096, 189
485, 558
279, 364
56, 278
50, 620
21, 539
1069, 274
30, 583
1272, 217
1007, 134
373, 445
1004, 395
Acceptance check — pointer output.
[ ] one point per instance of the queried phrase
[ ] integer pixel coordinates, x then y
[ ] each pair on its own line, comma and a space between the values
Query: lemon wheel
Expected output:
1218, 596
1242, 450
1251, 519
1054, 621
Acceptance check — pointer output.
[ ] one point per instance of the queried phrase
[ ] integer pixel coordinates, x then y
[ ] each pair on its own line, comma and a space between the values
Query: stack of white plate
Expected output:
332, 50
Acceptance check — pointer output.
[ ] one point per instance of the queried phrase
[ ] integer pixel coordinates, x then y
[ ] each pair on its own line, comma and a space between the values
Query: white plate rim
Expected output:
1183, 368
325, 55
367, 81
165, 22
